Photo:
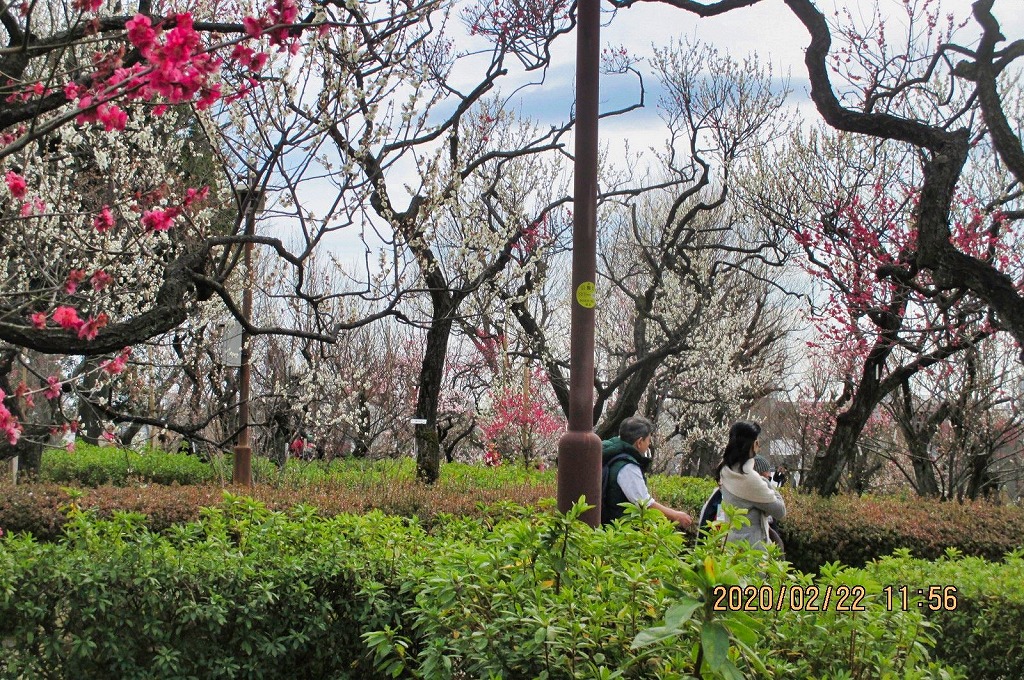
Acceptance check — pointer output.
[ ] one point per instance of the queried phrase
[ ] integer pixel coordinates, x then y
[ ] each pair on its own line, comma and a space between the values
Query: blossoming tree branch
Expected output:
92, 263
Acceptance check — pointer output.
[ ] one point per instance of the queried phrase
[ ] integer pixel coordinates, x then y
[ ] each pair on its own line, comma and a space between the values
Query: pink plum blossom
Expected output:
87, 5
9, 425
159, 220
91, 328
74, 278
16, 184
67, 317
53, 391
100, 279
117, 364
104, 221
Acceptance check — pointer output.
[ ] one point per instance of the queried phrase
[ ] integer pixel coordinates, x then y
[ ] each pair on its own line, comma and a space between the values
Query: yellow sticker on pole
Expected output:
585, 294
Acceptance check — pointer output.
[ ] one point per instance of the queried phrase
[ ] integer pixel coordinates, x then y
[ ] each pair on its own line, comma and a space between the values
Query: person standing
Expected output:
780, 475
743, 487
627, 458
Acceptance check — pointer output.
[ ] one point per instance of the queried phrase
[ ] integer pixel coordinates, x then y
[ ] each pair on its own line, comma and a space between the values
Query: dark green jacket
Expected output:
615, 455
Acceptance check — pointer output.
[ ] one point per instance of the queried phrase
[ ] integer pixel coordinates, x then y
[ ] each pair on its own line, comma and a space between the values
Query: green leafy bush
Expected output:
247, 592
242, 593
544, 596
816, 530
97, 465
684, 493
981, 630
38, 508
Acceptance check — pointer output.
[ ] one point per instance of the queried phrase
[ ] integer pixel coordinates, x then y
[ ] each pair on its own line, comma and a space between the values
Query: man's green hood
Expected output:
609, 447
614, 446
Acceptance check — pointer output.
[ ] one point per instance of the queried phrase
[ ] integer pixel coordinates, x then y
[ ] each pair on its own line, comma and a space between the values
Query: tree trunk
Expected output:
428, 448
708, 455
924, 474
28, 450
628, 402
826, 470
89, 418
981, 483
131, 432
918, 432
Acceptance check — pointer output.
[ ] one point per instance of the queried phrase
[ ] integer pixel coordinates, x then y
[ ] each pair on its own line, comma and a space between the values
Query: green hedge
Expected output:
241, 594
93, 466
89, 465
856, 530
982, 633
683, 493
816, 531
249, 593
40, 509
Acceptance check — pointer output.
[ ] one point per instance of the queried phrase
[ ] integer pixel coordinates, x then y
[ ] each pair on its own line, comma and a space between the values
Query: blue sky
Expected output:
768, 28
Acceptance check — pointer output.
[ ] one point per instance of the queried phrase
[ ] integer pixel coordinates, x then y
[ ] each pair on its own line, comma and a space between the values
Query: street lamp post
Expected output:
579, 449
242, 471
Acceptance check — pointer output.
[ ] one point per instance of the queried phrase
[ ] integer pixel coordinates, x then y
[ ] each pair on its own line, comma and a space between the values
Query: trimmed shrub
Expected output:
683, 493
816, 531
981, 630
88, 465
243, 593
249, 593
855, 530
98, 465
40, 509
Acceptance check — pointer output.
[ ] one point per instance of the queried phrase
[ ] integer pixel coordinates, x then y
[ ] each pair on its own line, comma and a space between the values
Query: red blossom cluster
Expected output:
159, 220
516, 413
118, 363
86, 5
16, 184
533, 236
522, 26
864, 236
175, 67
9, 425
276, 24
488, 345
67, 318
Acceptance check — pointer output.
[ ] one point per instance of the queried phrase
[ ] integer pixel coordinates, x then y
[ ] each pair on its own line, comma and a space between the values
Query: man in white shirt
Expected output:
626, 459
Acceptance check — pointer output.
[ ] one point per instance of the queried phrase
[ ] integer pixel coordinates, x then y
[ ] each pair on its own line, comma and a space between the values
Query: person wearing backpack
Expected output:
743, 487
625, 460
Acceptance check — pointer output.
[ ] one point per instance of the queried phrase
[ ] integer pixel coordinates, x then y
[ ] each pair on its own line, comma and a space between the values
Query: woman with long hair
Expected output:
743, 487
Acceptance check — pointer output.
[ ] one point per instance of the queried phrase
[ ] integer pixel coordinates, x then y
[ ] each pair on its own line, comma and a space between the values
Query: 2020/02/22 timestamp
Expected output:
829, 597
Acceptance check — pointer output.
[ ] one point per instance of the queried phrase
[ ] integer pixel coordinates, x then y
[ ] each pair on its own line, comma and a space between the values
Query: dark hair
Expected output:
635, 428
740, 448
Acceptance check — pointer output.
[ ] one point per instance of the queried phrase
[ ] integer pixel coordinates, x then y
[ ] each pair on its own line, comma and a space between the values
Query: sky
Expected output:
768, 29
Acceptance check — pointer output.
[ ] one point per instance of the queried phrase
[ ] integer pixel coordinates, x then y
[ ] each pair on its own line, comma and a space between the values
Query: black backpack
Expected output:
610, 509
709, 512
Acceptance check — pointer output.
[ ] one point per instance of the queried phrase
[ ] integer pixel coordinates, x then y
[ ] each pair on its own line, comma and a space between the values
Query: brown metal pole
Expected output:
242, 472
579, 449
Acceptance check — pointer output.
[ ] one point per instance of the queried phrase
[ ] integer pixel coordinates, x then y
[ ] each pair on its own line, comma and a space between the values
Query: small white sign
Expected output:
418, 421
231, 344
